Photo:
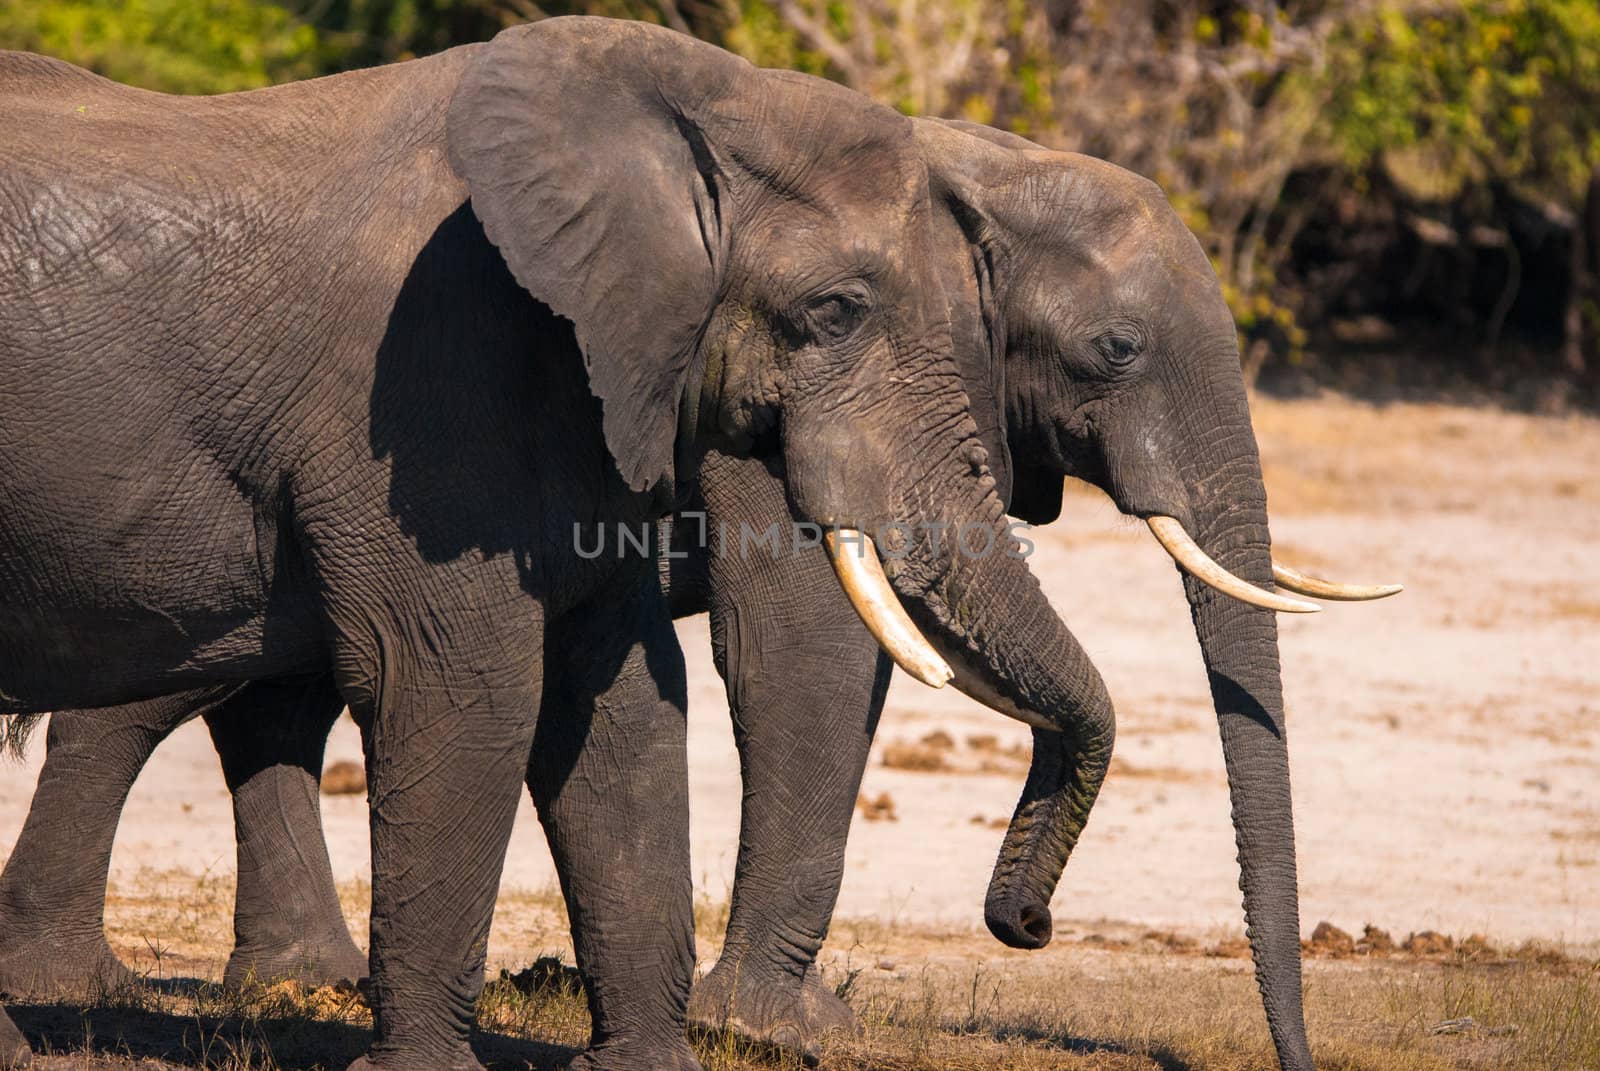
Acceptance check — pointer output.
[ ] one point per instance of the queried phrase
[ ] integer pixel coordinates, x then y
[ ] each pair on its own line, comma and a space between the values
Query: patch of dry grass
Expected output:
1114, 998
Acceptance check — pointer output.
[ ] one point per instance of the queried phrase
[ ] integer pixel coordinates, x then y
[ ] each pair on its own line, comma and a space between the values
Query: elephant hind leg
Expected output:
52, 892
287, 922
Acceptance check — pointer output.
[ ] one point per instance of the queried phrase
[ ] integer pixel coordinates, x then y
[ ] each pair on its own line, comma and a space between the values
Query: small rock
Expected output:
939, 740
886, 965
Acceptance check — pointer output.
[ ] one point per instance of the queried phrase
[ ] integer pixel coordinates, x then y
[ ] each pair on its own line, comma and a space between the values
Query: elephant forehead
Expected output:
816, 242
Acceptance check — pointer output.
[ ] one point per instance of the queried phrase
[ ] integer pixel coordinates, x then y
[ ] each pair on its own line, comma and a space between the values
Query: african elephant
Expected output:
325, 380
802, 752
1108, 354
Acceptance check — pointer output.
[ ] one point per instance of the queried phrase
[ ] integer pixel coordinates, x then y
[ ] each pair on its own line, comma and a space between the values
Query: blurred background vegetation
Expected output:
1400, 196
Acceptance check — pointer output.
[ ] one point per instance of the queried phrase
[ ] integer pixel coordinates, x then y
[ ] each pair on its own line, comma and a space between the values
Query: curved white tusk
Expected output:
1294, 580
861, 576
1178, 543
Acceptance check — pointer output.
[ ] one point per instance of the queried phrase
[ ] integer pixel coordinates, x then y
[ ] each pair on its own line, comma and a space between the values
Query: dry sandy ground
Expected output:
1445, 744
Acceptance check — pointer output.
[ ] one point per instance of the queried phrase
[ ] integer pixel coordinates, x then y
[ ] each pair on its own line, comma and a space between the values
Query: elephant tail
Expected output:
14, 732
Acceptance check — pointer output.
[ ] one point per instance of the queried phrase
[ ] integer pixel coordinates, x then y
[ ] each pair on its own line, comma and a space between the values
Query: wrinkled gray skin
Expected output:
291, 394
1084, 304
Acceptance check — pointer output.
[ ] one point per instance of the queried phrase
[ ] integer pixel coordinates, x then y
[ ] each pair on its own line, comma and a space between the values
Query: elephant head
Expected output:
746, 257
1102, 329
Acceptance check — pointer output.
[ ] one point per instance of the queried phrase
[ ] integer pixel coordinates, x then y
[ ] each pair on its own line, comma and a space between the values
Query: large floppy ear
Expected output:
581, 148
969, 166
961, 171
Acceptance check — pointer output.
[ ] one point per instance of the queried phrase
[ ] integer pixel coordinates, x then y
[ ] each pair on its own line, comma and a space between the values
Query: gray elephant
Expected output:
319, 383
1059, 267
1108, 354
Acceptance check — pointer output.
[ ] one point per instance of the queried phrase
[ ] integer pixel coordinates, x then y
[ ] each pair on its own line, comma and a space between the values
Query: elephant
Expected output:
322, 383
803, 752
1105, 352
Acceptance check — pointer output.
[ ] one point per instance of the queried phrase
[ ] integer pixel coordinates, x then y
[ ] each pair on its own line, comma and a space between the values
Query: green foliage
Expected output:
362, 33
1506, 90
762, 37
180, 46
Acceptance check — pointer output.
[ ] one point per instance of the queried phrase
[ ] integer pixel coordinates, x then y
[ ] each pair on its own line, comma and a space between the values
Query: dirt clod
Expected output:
547, 975
880, 809
1329, 940
1375, 941
916, 757
344, 778
1428, 943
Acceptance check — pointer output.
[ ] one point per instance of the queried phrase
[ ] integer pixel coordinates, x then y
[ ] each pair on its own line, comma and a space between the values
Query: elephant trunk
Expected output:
1240, 646
988, 618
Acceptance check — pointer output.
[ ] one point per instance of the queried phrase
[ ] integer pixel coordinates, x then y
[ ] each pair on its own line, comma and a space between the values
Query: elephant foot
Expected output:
45, 969
618, 1055
14, 1050
771, 1010
311, 963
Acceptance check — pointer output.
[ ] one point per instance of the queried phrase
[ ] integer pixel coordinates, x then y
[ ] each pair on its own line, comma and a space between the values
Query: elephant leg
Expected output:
52, 892
806, 684
609, 775
450, 693
286, 917
14, 1049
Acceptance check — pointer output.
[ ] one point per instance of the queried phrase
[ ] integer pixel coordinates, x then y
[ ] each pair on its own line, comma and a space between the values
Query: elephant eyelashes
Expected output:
836, 316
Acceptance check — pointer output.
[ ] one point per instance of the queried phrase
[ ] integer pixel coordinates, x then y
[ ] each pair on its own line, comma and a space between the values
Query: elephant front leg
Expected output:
806, 684
286, 918
53, 889
450, 702
610, 778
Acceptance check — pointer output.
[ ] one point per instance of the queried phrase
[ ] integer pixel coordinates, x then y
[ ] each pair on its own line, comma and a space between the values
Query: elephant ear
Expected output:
969, 166
578, 142
960, 173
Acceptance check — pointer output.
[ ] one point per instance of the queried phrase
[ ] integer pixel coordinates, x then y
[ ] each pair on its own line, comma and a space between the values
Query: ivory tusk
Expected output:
1294, 580
861, 576
1178, 543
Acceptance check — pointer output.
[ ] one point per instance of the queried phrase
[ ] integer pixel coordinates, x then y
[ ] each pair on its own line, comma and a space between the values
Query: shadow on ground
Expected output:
67, 1036
1163, 1058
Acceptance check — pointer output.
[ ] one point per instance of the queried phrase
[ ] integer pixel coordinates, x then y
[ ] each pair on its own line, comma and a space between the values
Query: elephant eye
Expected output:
836, 316
1119, 348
